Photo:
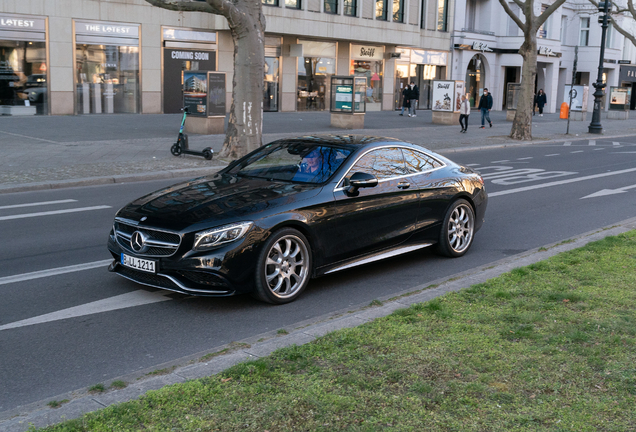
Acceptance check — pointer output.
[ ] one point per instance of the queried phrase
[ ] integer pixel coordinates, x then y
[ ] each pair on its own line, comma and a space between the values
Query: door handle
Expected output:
404, 185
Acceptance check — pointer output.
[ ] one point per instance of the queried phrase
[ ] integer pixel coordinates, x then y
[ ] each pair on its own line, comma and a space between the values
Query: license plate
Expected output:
138, 263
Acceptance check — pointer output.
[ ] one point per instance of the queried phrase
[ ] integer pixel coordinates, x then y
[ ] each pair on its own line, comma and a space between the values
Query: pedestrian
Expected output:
485, 105
405, 100
415, 97
464, 112
541, 101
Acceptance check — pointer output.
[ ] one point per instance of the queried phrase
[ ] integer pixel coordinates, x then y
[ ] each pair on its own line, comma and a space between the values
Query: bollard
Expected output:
564, 110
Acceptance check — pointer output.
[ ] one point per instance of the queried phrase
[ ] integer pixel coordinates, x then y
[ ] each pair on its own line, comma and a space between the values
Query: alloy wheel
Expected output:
286, 266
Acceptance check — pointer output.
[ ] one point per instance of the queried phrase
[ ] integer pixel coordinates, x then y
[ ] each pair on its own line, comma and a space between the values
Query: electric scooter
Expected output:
181, 146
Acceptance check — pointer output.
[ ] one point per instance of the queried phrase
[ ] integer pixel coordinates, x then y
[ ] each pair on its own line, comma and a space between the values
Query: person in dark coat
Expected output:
485, 105
415, 97
405, 100
540, 101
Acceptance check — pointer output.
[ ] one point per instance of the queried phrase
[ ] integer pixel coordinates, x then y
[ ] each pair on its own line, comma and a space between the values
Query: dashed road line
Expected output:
525, 158
591, 142
53, 272
567, 143
554, 154
38, 204
56, 212
578, 151
501, 161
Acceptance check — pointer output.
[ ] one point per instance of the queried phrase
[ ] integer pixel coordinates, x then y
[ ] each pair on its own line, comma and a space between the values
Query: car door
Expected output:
376, 217
435, 188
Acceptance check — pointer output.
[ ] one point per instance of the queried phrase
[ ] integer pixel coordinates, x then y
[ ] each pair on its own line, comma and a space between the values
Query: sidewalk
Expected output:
62, 151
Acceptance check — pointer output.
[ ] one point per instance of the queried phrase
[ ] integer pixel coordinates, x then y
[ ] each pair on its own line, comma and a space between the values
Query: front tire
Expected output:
458, 229
284, 267
176, 149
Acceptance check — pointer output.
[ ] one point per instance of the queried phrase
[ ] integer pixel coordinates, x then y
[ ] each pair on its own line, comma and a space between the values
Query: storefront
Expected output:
368, 61
475, 79
184, 50
271, 83
627, 78
315, 68
421, 67
107, 67
23, 62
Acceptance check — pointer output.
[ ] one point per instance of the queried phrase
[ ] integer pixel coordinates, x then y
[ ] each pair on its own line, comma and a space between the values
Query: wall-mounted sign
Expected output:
106, 29
344, 97
627, 73
459, 91
443, 96
546, 51
481, 46
620, 98
15, 27
624, 62
579, 97
365, 52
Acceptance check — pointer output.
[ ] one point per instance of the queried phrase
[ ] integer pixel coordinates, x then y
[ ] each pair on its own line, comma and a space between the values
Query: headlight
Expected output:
221, 235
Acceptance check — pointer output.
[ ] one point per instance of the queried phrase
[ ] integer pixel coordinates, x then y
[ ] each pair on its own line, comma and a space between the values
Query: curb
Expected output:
194, 172
81, 401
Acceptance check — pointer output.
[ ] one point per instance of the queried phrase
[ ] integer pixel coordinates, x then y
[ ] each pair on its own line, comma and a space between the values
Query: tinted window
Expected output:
382, 163
418, 162
304, 163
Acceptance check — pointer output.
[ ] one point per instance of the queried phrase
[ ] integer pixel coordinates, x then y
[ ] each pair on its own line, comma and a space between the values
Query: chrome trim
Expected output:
380, 256
443, 165
125, 239
176, 282
126, 221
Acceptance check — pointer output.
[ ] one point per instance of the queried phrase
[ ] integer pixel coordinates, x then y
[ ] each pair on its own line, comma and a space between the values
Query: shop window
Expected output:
372, 71
107, 79
475, 78
313, 82
270, 2
23, 74
350, 7
270, 86
585, 31
331, 6
292, 4
442, 15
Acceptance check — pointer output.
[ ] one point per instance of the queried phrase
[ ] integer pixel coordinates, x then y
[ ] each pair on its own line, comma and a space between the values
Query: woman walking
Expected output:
464, 112
541, 101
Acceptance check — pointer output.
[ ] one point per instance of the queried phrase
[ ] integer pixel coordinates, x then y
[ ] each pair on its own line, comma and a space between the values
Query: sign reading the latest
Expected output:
109, 29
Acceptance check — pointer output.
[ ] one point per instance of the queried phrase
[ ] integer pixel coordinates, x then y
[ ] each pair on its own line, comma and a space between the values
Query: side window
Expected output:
382, 163
418, 162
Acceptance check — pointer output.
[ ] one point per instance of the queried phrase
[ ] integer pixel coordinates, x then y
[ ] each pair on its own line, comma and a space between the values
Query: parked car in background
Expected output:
296, 209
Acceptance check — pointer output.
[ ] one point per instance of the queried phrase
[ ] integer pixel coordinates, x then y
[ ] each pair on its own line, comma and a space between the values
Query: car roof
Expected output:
352, 141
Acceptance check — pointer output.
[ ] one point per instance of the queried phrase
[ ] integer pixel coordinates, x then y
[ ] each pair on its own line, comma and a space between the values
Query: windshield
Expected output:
296, 162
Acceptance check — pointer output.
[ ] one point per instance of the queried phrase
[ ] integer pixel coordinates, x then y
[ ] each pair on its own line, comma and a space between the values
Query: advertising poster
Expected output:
620, 98
459, 91
216, 94
579, 98
443, 95
344, 98
195, 93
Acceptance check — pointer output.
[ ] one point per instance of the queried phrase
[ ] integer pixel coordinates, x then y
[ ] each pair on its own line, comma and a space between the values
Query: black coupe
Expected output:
296, 209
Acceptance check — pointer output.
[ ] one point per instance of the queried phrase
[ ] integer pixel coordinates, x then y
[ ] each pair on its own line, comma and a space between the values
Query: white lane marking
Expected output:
123, 301
567, 143
600, 148
578, 151
471, 165
553, 154
30, 215
615, 143
605, 192
501, 161
622, 152
38, 204
525, 158
560, 182
53, 272
30, 137
591, 142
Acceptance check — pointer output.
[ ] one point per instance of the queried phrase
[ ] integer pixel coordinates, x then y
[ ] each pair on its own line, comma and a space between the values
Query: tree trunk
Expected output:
245, 126
522, 124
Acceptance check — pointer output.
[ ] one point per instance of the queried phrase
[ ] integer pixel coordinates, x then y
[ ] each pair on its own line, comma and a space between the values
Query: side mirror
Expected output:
361, 180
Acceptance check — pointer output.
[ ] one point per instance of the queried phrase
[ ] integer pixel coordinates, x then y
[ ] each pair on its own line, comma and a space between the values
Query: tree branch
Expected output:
512, 15
217, 7
618, 28
546, 13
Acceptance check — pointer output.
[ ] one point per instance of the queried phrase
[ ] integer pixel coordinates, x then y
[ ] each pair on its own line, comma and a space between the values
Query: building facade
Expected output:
125, 56
486, 42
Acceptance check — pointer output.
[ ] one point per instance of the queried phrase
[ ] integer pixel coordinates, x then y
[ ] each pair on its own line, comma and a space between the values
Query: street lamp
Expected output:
599, 85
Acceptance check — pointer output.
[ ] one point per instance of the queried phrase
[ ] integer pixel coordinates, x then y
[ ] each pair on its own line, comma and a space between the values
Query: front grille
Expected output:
203, 278
147, 278
158, 243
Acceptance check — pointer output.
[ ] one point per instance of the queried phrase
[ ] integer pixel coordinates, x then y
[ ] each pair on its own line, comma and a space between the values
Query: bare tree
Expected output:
617, 11
530, 25
247, 26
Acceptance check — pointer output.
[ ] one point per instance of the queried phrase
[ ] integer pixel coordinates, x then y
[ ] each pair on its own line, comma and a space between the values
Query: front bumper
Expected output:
200, 274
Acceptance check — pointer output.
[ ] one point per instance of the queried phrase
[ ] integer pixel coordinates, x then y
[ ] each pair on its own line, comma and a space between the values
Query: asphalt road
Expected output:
70, 328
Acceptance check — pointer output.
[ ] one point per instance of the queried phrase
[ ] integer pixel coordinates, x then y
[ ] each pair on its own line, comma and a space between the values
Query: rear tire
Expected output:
283, 267
208, 153
458, 229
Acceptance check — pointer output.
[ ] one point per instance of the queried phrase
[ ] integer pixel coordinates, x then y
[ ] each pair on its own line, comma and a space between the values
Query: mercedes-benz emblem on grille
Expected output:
138, 241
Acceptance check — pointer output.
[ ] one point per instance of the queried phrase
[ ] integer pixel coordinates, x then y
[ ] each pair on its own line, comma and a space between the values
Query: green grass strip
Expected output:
548, 347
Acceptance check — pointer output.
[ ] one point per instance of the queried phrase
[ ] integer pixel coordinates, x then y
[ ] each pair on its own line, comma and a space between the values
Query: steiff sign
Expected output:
365, 52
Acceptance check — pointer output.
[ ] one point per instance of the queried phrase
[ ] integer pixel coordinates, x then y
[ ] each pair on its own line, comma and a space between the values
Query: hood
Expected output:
220, 198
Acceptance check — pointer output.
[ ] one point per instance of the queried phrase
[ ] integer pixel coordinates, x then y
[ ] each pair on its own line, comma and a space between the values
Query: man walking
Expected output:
485, 105
405, 101
541, 101
415, 97
464, 112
